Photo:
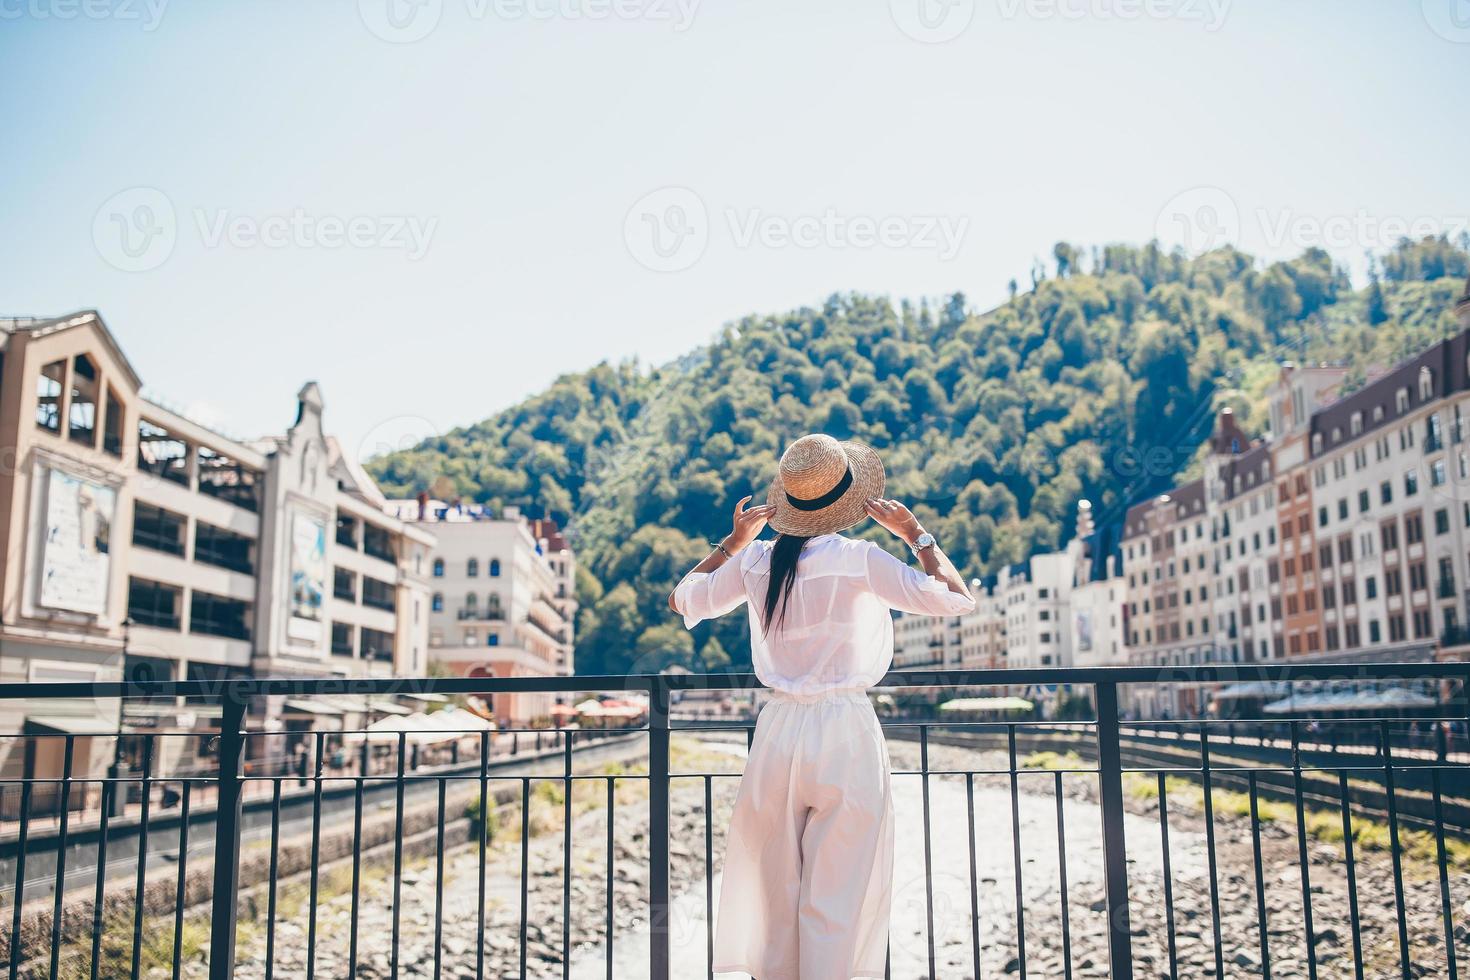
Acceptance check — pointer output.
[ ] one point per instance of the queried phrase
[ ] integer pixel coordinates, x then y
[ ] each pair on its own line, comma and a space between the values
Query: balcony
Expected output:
474, 614
1131, 842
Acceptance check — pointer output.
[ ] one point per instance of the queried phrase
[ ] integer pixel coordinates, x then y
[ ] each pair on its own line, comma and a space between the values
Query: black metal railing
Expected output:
1156, 847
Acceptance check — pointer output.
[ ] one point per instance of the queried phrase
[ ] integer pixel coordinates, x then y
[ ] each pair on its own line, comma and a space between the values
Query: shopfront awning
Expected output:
1250, 689
1388, 699
312, 706
74, 724
987, 704
389, 708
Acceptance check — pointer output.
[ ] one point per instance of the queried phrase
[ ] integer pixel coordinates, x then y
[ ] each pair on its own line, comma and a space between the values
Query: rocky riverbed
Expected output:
947, 880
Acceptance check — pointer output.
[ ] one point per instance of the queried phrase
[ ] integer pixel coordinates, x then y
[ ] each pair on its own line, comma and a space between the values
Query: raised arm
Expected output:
713, 587
901, 586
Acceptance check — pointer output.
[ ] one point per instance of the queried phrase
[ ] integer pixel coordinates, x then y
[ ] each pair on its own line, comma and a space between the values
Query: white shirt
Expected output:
837, 632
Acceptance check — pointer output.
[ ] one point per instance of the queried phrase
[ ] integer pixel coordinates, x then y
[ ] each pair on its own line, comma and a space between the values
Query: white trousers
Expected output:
808, 876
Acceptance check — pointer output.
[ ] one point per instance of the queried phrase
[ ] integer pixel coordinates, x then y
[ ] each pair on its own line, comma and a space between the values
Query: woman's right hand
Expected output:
748, 524
896, 518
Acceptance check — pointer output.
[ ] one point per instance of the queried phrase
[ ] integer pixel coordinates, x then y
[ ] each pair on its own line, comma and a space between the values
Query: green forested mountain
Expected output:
1100, 381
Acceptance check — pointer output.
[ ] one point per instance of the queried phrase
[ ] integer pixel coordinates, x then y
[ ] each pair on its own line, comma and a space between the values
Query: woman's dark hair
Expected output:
784, 553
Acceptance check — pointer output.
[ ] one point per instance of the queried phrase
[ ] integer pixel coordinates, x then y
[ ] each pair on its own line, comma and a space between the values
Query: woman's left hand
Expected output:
748, 524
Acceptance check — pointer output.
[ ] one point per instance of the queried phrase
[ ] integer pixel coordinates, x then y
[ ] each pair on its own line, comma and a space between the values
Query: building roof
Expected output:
1462, 305
1447, 367
1252, 467
42, 326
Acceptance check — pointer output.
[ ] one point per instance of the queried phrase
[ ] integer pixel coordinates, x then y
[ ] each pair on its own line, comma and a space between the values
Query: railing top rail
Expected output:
1004, 677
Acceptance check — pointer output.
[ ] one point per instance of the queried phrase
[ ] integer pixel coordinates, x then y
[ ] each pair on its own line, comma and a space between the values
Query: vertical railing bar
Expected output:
481, 842
1062, 864
356, 910
180, 889
316, 851
227, 836
566, 861
109, 789
1303, 855
1169, 927
1016, 852
1352, 874
974, 873
17, 940
1444, 876
1211, 860
709, 880
141, 878
398, 790
271, 886
612, 798
1115, 851
439, 880
658, 829
525, 864
1395, 849
58, 904
1261, 919
928, 857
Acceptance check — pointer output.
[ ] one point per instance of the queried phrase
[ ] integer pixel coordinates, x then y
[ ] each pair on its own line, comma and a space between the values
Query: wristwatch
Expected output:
925, 540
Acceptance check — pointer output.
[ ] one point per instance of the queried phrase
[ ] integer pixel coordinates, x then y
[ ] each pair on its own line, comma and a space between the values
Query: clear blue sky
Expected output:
523, 139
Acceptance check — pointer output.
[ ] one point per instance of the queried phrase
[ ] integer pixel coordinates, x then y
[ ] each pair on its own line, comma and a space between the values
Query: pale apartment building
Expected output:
141, 544
503, 599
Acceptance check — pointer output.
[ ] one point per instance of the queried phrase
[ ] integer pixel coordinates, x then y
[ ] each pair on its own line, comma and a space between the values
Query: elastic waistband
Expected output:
855, 695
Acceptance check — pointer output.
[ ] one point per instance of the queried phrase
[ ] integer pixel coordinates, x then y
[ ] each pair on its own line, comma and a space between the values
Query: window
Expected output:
1342, 509
1414, 528
1421, 624
1370, 587
1375, 634
344, 584
436, 602
1349, 592
158, 529
1385, 493
342, 640
492, 606
472, 568
1426, 384
162, 454
438, 567
1401, 400
1418, 577
48, 396
224, 549
377, 645
1322, 516
226, 479
1442, 521
1390, 535
1324, 555
1363, 501
112, 425
346, 535
153, 604
1355, 424
495, 568
1436, 473
1411, 483
214, 615
377, 542
377, 594
81, 415
492, 639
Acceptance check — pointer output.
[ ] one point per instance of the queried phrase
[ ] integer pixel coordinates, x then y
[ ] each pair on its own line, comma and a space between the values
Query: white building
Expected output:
140, 544
503, 601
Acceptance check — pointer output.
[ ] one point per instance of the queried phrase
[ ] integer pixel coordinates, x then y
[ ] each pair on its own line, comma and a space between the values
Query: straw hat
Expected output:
823, 486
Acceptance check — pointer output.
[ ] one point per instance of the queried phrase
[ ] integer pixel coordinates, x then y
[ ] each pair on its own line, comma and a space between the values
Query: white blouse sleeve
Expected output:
708, 595
909, 590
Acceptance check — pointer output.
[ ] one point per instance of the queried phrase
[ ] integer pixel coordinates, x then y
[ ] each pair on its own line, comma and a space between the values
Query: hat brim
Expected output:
845, 512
